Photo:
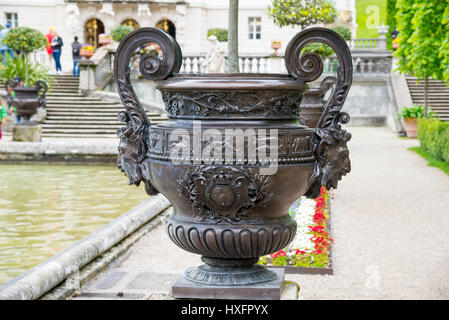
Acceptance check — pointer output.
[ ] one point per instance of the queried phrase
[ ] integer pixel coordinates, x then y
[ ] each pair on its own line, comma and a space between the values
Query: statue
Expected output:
73, 14
107, 9
143, 9
214, 62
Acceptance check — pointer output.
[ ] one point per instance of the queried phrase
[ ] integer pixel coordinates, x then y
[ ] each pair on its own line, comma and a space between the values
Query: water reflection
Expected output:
46, 208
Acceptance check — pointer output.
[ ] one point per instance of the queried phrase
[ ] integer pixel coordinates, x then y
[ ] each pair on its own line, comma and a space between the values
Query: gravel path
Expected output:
390, 222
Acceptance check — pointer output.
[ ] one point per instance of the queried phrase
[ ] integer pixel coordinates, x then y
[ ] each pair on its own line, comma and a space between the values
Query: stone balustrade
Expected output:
374, 63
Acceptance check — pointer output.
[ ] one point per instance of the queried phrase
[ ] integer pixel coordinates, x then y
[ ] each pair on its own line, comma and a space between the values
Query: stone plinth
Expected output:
271, 290
27, 133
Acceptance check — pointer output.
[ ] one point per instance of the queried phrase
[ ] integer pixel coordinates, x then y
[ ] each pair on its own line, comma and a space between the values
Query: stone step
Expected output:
113, 131
76, 115
422, 80
434, 103
81, 126
433, 93
84, 102
92, 121
83, 121
421, 90
79, 131
65, 86
65, 76
80, 110
78, 135
64, 90
57, 95
96, 118
86, 111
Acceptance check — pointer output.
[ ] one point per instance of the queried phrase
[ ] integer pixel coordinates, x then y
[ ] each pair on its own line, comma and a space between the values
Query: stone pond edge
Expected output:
41, 279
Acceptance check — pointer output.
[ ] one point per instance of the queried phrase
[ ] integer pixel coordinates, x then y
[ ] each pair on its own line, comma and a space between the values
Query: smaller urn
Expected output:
26, 99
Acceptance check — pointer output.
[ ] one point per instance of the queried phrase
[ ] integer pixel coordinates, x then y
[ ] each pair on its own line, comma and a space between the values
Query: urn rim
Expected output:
232, 81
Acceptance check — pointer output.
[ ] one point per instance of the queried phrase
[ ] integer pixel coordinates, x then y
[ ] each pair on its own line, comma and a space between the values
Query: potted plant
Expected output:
87, 51
104, 39
27, 99
410, 116
276, 45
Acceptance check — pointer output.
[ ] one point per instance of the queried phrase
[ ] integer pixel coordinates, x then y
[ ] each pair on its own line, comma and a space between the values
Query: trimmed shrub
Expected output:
25, 40
119, 32
220, 33
344, 31
323, 49
433, 136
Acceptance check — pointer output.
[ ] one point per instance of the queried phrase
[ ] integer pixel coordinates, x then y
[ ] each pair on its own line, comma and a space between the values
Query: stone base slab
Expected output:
27, 133
271, 290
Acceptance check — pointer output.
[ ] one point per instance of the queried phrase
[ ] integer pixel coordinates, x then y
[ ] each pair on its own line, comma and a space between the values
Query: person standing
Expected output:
56, 45
2, 116
4, 48
76, 50
49, 37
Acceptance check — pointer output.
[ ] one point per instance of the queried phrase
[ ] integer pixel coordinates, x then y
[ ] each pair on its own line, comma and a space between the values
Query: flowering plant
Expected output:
312, 242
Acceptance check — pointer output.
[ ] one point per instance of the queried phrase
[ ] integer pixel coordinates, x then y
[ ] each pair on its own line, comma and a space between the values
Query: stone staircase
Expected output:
70, 114
438, 96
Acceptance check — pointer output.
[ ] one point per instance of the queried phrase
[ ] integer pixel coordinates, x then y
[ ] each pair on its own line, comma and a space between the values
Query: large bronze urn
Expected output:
232, 158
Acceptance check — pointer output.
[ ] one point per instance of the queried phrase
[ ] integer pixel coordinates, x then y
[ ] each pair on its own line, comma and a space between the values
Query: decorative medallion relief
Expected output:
224, 194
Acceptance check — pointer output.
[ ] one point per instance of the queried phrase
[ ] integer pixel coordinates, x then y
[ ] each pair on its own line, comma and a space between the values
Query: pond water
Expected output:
46, 208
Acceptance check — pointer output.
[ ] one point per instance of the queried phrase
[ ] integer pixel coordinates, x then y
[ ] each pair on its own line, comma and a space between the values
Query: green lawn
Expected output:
366, 12
444, 166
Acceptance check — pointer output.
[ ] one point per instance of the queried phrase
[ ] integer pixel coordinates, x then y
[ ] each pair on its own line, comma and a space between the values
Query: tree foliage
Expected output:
220, 33
19, 66
323, 49
391, 21
25, 40
119, 32
421, 35
301, 13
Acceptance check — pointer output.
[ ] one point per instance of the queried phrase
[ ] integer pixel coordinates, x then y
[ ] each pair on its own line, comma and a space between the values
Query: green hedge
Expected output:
433, 135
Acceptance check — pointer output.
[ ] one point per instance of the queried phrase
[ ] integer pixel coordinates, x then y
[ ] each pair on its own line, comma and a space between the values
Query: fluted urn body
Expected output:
232, 157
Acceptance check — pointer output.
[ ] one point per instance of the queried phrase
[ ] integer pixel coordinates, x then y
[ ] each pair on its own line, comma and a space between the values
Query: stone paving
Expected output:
390, 219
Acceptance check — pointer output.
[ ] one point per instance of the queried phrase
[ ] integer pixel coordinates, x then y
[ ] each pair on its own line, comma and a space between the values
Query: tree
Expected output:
421, 34
444, 49
233, 41
323, 49
220, 33
391, 21
301, 13
119, 32
24, 41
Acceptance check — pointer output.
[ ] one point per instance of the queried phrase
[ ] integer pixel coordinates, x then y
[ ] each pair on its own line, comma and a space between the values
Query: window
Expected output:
254, 28
12, 19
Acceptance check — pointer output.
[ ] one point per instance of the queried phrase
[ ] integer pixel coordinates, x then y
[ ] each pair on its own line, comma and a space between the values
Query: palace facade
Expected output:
188, 21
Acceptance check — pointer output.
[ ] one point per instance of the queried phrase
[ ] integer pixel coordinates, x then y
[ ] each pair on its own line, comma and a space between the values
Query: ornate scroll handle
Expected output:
41, 87
330, 140
309, 67
134, 136
151, 67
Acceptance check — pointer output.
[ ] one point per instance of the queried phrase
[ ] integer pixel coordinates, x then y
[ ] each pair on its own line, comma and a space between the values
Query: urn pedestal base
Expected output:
269, 290
27, 133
